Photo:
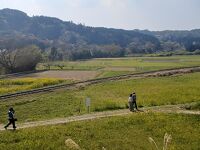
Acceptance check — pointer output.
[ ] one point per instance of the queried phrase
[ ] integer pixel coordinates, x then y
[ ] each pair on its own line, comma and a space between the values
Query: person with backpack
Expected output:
130, 102
134, 103
11, 118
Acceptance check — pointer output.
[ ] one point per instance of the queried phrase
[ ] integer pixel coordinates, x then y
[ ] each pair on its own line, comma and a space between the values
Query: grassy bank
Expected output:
115, 133
105, 96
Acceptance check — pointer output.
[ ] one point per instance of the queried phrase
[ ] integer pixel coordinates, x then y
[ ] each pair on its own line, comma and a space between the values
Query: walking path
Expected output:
164, 109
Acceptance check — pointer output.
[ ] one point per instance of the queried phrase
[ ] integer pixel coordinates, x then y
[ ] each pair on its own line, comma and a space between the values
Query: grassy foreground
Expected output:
115, 133
105, 96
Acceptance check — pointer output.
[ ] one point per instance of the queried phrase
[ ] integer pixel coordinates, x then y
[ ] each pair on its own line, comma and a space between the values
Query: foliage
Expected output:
28, 59
86, 52
2, 70
175, 52
54, 54
122, 132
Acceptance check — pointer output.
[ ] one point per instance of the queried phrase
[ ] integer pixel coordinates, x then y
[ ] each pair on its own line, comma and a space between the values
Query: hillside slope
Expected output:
72, 40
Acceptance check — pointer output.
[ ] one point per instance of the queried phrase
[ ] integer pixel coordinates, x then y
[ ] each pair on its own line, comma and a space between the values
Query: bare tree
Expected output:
19, 60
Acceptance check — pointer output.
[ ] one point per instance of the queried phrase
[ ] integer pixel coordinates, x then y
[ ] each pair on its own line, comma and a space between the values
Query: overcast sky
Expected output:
125, 14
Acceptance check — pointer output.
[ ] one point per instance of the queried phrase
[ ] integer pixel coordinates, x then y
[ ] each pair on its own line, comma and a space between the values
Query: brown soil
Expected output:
72, 75
119, 69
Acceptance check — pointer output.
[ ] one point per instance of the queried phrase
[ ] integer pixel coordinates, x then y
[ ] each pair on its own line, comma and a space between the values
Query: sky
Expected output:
123, 14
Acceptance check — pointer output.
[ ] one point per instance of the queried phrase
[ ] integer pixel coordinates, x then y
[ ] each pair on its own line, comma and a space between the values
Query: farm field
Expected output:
106, 67
21, 84
124, 132
64, 75
105, 96
91, 69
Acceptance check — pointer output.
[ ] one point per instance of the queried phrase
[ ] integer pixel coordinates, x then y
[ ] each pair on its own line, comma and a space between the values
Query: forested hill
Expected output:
75, 41
189, 40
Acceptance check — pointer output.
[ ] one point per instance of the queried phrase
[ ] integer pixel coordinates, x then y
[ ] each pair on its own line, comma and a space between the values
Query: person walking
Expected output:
11, 118
134, 101
130, 102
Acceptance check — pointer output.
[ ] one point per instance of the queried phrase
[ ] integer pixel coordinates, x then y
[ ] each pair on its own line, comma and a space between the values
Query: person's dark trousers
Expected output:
11, 121
134, 103
131, 106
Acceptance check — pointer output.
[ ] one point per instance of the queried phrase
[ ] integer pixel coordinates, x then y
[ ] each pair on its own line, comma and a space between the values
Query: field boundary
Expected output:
157, 73
20, 74
178, 109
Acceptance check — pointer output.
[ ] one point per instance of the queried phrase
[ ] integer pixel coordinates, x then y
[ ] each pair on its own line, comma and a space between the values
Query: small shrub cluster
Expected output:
194, 106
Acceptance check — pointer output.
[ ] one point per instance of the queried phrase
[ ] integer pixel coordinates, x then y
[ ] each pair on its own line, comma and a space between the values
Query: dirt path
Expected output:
164, 109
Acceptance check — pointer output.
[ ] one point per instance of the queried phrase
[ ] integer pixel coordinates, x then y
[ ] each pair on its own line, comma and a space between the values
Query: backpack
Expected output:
130, 99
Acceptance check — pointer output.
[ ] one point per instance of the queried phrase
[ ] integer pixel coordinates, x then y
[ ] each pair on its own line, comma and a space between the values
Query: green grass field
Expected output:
114, 133
21, 84
105, 96
113, 66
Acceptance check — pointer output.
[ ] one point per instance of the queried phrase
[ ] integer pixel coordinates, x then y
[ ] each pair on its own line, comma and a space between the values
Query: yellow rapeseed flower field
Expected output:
14, 85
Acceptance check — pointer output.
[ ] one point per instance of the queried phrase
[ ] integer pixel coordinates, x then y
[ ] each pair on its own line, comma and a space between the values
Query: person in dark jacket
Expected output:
11, 118
134, 100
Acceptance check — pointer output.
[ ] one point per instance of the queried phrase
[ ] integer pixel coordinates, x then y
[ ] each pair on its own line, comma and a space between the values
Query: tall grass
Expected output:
166, 141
